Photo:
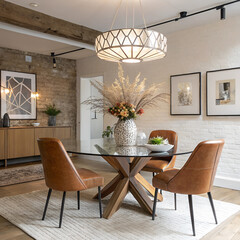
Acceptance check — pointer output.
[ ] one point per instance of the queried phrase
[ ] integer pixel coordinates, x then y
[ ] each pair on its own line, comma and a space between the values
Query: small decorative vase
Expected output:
51, 120
6, 120
125, 133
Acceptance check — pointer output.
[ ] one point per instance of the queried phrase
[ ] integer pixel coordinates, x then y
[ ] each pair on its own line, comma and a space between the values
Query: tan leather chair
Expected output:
157, 165
195, 177
61, 175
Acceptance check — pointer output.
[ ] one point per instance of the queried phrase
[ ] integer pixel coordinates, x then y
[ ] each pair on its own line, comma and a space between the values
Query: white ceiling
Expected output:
98, 14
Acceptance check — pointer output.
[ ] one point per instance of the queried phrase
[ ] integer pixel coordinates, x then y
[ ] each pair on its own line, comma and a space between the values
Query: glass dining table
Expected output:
128, 161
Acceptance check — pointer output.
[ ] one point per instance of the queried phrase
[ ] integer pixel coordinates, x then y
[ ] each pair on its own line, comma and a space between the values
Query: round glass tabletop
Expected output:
107, 147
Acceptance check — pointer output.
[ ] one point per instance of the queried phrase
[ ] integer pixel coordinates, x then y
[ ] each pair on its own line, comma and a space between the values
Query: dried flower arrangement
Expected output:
124, 111
124, 99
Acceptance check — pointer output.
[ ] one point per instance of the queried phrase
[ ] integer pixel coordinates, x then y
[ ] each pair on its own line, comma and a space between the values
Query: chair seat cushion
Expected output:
162, 179
90, 178
155, 166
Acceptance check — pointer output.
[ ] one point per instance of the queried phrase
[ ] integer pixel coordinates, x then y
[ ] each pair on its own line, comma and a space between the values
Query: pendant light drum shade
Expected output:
131, 45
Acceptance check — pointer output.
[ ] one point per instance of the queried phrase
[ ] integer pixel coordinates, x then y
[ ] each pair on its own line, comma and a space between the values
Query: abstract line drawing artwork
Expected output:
18, 103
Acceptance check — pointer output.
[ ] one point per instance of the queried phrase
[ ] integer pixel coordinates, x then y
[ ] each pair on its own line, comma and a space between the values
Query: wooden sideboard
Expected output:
2, 144
19, 142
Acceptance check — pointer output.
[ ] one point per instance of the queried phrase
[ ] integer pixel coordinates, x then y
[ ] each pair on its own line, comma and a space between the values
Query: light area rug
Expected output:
130, 222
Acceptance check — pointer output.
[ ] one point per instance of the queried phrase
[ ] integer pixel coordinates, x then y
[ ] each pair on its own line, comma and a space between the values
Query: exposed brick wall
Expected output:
54, 85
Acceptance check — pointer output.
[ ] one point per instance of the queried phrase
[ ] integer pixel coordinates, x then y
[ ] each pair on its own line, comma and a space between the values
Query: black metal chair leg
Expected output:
191, 213
154, 203
78, 199
46, 205
62, 207
100, 201
212, 205
175, 201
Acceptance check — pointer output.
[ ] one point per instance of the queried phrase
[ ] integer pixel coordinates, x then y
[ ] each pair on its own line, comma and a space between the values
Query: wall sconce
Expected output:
34, 95
5, 90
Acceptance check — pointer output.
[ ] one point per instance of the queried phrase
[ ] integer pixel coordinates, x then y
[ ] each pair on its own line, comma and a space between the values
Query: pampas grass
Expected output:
123, 90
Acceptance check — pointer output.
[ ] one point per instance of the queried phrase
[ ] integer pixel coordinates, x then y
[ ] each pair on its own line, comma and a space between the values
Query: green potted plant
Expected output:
108, 132
52, 112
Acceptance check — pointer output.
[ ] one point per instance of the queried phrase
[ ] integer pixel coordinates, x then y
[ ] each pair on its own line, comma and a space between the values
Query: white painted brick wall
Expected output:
200, 49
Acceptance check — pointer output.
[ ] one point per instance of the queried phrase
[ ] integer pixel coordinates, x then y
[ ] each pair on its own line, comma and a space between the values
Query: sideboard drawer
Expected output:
20, 143
62, 132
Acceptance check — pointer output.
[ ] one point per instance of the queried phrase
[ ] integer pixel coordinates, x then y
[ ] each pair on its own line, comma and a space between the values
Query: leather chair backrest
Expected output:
60, 173
198, 173
172, 139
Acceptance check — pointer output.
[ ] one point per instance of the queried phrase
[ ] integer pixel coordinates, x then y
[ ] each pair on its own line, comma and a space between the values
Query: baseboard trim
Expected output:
232, 183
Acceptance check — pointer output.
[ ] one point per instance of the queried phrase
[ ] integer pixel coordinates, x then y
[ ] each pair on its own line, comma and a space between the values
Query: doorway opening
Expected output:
91, 122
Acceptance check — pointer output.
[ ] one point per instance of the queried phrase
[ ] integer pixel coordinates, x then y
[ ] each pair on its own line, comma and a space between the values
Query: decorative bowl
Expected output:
159, 148
35, 124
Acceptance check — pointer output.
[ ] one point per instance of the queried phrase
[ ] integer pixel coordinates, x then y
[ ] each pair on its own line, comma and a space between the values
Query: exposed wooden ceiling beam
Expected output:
27, 18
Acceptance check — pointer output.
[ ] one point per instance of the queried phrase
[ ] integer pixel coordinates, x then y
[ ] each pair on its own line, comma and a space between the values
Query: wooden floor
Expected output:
229, 230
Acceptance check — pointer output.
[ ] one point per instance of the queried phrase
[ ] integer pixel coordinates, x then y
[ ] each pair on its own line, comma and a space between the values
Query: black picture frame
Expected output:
209, 74
198, 109
35, 90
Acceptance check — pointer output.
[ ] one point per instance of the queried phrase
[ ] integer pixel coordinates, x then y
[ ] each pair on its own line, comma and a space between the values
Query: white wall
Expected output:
209, 47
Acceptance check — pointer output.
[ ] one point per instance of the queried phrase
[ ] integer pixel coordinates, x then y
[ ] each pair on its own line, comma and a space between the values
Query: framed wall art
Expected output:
185, 91
223, 92
18, 103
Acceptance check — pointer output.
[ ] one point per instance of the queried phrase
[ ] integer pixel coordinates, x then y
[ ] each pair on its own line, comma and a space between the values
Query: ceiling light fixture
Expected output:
130, 45
54, 60
223, 13
184, 14
53, 55
33, 5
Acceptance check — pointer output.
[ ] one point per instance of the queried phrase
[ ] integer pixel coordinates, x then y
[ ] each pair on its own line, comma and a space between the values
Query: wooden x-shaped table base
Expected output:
128, 179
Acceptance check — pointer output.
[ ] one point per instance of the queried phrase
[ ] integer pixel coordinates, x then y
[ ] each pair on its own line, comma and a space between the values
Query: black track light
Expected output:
54, 60
183, 14
223, 13
54, 63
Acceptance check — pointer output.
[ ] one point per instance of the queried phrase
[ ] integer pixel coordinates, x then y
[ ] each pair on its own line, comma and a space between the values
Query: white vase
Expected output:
125, 133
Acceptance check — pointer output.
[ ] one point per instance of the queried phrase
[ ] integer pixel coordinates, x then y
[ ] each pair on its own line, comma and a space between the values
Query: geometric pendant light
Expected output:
131, 45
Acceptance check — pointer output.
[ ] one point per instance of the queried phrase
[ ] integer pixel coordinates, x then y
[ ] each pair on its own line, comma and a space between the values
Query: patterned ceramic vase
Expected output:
125, 133
127, 150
